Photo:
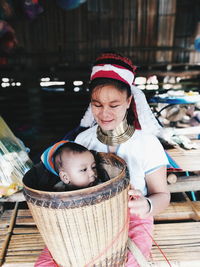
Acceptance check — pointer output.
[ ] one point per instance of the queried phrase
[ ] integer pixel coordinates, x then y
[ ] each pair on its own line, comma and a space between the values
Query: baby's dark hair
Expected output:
68, 147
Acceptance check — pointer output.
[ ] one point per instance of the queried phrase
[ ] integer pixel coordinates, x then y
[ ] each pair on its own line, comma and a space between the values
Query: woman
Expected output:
121, 122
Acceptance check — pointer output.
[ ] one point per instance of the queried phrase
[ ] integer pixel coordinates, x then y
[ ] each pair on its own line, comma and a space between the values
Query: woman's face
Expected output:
109, 106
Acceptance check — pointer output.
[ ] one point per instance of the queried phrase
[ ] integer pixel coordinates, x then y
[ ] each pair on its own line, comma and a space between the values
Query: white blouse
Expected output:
143, 153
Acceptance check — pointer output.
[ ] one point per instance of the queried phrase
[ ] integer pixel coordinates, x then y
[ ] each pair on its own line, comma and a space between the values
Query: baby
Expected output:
73, 163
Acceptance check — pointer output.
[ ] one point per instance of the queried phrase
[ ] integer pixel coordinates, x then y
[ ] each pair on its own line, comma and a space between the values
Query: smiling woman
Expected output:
124, 126
109, 106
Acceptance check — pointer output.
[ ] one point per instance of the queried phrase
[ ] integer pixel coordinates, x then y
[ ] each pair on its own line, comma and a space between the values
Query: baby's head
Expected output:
75, 165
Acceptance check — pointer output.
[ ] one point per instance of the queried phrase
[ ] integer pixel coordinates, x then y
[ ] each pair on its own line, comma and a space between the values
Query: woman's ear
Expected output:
64, 177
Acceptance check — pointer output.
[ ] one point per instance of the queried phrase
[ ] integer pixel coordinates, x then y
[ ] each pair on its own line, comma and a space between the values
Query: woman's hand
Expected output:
158, 194
138, 204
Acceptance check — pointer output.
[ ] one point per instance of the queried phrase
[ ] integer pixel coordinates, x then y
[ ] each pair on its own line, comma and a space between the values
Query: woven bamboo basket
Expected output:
87, 227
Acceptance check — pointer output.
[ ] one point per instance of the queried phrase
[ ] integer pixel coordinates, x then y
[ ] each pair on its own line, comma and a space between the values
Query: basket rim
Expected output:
83, 190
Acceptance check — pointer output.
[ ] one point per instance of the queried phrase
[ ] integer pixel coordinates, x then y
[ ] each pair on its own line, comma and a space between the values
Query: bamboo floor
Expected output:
180, 241
188, 160
25, 242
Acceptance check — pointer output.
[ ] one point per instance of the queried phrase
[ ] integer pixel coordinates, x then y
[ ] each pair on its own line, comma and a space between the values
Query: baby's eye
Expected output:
83, 170
94, 167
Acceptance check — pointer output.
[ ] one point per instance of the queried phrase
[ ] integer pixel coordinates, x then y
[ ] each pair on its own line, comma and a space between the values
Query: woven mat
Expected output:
180, 242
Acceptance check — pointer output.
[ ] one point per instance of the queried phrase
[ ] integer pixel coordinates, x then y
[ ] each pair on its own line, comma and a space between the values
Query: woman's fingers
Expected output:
138, 204
131, 186
134, 193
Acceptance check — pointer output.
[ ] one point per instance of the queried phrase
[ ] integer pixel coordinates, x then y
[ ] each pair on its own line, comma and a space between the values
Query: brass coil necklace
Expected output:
117, 136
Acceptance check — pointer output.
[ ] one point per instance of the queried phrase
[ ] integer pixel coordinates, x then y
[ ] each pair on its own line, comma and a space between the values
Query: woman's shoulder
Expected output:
145, 140
144, 136
87, 133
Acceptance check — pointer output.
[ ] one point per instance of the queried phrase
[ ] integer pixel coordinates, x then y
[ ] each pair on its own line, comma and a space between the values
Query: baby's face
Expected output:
80, 169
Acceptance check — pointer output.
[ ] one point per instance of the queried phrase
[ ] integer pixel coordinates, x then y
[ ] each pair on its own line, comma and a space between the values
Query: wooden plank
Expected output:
193, 263
185, 184
26, 251
22, 259
3, 231
25, 221
25, 243
166, 22
21, 213
26, 230
188, 160
18, 265
178, 211
24, 217
24, 248
24, 213
180, 242
5, 244
5, 220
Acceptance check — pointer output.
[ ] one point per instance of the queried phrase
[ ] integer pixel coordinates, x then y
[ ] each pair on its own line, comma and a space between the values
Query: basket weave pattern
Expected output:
87, 227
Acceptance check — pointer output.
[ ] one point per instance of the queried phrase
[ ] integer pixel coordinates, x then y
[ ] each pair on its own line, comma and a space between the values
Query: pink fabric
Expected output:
140, 231
45, 259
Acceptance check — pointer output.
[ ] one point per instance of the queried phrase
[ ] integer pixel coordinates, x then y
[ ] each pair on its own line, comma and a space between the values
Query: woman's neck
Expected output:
113, 149
117, 136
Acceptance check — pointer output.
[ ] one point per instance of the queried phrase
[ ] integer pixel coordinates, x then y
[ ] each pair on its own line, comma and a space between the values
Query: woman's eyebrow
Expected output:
111, 102
115, 101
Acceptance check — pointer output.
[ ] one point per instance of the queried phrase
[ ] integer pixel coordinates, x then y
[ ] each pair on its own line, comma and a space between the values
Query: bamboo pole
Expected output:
9, 233
185, 184
175, 263
19, 264
137, 254
171, 178
178, 211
